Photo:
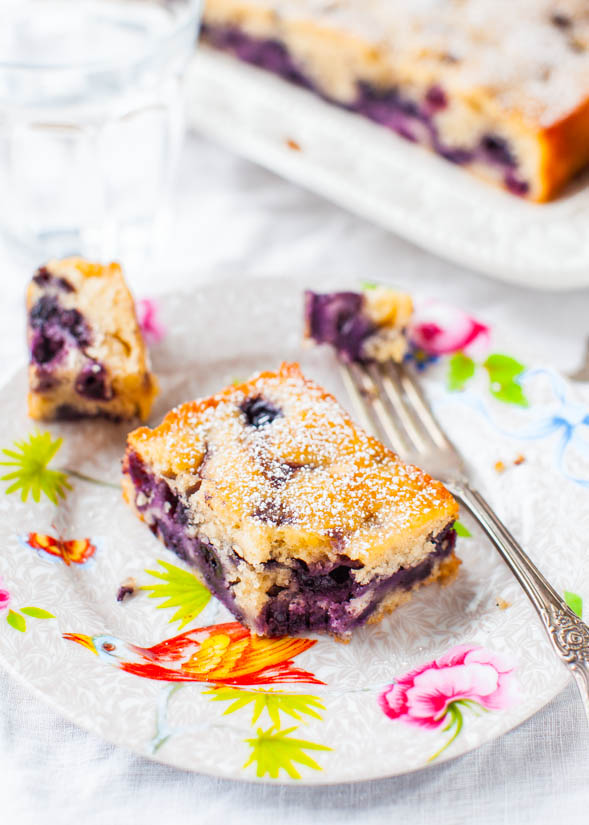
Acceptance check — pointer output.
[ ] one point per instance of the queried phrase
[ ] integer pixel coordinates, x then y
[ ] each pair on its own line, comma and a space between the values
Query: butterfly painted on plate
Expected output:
74, 551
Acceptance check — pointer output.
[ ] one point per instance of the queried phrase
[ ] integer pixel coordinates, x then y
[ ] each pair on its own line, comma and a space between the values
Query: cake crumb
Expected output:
128, 588
292, 144
501, 466
502, 604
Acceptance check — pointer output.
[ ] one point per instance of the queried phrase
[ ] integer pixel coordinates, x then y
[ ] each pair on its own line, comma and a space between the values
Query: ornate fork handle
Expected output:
568, 634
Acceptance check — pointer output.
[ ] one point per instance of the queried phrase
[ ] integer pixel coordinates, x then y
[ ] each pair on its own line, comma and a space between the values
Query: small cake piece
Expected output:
292, 516
361, 326
87, 356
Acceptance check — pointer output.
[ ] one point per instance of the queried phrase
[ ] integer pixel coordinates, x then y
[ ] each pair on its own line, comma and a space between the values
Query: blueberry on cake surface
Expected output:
500, 89
87, 356
296, 519
361, 326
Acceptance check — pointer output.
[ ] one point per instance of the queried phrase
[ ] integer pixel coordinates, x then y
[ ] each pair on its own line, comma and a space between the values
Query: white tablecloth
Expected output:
232, 217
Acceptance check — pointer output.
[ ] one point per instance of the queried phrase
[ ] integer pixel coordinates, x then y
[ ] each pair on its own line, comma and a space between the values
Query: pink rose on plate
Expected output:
437, 693
440, 329
149, 323
4, 598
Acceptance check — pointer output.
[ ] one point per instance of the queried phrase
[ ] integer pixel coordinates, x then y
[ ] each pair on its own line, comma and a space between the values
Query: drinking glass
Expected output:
91, 122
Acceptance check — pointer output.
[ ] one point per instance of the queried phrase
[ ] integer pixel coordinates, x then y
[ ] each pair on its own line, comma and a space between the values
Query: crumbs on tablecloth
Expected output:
501, 466
128, 588
502, 604
292, 144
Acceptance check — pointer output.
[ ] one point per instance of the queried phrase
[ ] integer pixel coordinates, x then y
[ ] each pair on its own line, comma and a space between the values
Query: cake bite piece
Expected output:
87, 356
361, 326
296, 519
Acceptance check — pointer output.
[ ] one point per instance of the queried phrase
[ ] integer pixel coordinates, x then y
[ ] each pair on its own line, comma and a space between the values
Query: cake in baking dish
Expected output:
361, 326
500, 87
292, 516
87, 356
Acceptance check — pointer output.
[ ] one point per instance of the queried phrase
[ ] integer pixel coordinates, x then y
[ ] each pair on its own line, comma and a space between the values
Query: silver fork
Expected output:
388, 399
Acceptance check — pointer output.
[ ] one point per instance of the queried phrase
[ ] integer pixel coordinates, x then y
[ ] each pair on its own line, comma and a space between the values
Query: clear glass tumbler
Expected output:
91, 120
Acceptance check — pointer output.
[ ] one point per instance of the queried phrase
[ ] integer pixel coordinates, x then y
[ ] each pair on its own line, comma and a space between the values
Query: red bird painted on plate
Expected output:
222, 654
76, 551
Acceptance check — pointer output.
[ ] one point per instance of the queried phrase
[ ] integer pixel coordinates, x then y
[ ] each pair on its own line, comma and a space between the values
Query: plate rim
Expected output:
320, 782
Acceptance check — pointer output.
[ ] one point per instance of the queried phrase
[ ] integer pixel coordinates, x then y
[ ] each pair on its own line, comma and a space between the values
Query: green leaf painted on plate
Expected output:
503, 368
16, 621
275, 750
181, 589
510, 394
461, 530
503, 374
37, 613
461, 368
273, 703
575, 602
31, 474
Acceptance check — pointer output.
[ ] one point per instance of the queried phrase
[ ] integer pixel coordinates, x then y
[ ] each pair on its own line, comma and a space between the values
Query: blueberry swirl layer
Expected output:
415, 118
299, 598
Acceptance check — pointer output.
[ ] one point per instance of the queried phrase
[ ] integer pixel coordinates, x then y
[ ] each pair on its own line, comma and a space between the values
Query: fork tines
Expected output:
389, 402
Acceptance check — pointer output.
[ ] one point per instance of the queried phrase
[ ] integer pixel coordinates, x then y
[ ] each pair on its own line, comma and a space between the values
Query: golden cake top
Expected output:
530, 55
281, 464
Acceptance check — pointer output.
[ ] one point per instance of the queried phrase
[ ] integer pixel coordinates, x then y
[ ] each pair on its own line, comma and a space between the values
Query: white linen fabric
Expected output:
231, 217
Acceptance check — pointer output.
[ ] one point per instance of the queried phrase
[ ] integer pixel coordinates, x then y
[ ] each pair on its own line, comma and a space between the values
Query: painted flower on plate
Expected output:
440, 329
435, 694
4, 597
149, 323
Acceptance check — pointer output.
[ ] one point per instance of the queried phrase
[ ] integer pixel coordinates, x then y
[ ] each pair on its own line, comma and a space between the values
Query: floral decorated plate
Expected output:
89, 599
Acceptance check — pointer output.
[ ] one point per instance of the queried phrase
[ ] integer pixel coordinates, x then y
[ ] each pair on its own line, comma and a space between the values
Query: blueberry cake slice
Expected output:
87, 356
500, 89
361, 326
292, 516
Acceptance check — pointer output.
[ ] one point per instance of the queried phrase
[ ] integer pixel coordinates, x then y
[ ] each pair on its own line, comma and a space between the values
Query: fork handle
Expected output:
567, 633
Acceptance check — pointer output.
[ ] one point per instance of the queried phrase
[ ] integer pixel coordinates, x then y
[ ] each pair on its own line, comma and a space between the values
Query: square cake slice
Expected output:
292, 516
87, 356
361, 326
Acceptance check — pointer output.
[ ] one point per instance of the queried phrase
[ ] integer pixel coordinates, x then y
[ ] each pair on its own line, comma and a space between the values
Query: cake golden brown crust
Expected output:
269, 488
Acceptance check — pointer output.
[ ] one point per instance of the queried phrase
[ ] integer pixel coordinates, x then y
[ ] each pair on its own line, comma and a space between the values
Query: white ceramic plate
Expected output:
504, 673
369, 170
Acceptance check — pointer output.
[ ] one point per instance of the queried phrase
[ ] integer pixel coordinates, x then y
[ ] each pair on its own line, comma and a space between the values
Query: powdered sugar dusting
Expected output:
309, 476
531, 55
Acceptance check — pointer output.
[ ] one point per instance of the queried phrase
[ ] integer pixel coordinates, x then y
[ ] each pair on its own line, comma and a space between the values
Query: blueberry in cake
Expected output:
292, 516
361, 326
87, 356
501, 89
